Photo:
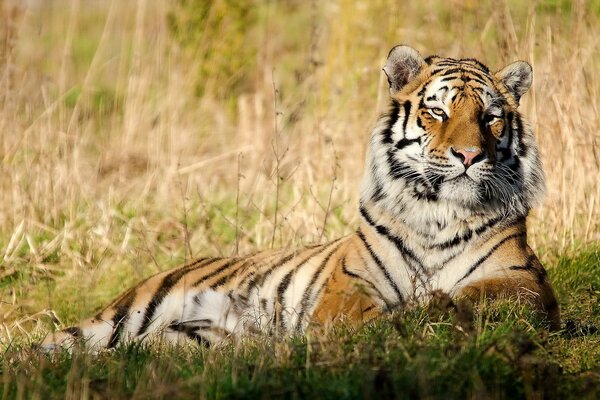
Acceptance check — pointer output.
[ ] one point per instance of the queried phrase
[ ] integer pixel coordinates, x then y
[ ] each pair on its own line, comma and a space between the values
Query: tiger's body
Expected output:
452, 173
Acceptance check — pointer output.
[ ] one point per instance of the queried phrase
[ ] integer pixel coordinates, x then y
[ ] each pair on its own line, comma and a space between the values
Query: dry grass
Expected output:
113, 169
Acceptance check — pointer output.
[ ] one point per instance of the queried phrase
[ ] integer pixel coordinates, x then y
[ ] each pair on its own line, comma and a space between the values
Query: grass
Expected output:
113, 168
443, 351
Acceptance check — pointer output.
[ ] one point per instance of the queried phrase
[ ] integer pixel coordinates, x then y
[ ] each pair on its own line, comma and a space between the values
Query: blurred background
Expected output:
135, 135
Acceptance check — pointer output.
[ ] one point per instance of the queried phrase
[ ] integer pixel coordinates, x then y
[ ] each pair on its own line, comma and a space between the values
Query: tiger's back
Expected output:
452, 173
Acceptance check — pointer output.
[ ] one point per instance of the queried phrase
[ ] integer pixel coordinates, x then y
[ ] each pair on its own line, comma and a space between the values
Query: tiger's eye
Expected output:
492, 119
496, 126
437, 112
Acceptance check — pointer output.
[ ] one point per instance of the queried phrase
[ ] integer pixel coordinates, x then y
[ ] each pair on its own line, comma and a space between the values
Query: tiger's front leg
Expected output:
523, 278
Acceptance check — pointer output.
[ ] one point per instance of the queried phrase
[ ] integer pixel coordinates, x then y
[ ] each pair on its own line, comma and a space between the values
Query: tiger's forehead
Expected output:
451, 79
438, 89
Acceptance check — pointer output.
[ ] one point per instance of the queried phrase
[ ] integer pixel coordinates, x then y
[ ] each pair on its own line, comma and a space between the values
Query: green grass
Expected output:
499, 350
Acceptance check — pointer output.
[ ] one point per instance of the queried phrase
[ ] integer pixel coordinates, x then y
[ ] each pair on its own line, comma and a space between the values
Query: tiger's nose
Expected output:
468, 156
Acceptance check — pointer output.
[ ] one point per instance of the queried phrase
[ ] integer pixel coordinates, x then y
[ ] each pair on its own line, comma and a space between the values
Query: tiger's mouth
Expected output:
466, 190
463, 176
437, 178
479, 185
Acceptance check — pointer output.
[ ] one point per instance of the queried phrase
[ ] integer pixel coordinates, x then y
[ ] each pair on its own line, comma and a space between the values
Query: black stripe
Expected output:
263, 306
449, 78
449, 62
471, 72
121, 316
198, 339
510, 120
283, 285
435, 181
529, 266
522, 147
480, 81
246, 262
466, 78
220, 282
407, 106
351, 274
505, 154
380, 265
250, 278
74, 331
378, 192
516, 177
114, 303
477, 63
488, 255
467, 235
401, 170
280, 292
259, 279
402, 143
392, 119
307, 293
469, 62
190, 332
216, 272
431, 59
384, 231
424, 89
398, 169
165, 286
121, 308
541, 275
450, 71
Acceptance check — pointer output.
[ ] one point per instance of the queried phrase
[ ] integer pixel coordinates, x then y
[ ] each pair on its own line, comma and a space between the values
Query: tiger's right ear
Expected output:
402, 65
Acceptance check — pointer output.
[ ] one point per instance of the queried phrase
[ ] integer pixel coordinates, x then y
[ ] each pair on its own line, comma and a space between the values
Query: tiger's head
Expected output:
453, 135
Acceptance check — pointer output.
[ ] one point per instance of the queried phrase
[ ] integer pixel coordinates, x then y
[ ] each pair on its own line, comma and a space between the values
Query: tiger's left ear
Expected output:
516, 77
403, 64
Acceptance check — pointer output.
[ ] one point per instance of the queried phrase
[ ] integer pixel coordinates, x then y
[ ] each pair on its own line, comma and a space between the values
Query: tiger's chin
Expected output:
463, 191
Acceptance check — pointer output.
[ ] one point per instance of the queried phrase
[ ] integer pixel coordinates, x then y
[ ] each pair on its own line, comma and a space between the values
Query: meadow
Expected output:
136, 136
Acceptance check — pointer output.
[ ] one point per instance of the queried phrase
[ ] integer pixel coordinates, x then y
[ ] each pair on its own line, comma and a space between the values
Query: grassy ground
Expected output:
443, 351
127, 149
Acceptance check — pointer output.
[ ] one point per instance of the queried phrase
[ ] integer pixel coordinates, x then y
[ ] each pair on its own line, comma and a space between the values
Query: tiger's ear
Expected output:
402, 65
517, 78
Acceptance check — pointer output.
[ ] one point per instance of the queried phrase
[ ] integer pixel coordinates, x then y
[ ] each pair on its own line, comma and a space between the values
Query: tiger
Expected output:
451, 174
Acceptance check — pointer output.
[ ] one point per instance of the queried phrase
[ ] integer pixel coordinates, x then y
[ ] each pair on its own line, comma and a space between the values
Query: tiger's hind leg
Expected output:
207, 317
211, 319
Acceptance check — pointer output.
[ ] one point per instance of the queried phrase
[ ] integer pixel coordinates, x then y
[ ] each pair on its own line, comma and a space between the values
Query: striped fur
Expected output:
452, 173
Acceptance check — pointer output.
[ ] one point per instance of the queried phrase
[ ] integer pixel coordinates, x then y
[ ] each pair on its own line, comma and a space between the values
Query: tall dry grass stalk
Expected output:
113, 169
